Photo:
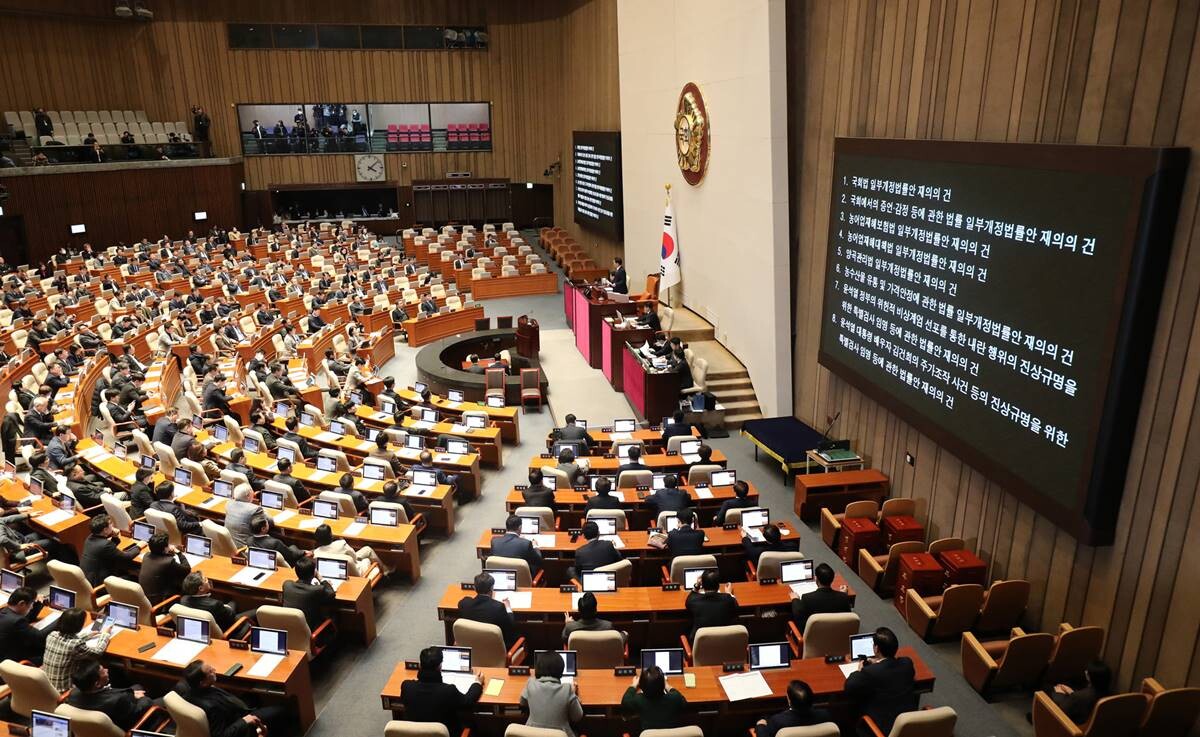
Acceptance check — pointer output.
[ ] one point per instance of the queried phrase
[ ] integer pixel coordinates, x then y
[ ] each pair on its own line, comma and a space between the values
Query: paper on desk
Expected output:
618, 495
354, 528
704, 493
319, 475
575, 597
47, 621
542, 541
754, 533
616, 540
742, 686
455, 405
179, 490
49, 519
516, 599
265, 665
247, 575
421, 425
461, 681
803, 588
92, 452
417, 491
328, 437
848, 668
458, 429
691, 458
334, 583
283, 515
494, 687
620, 435
309, 523
194, 560
180, 652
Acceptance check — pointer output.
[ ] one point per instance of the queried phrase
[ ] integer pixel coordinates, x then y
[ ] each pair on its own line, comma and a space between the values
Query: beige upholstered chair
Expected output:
879, 571
1003, 606
165, 522
131, 593
190, 720
945, 615
71, 577
1074, 648
623, 569
88, 723
487, 644
937, 722
299, 636
680, 563
597, 649
545, 516
222, 540
616, 514
1172, 711
825, 634
1017, 662
399, 728
770, 563
30, 688
1113, 716
525, 579
717, 645
831, 524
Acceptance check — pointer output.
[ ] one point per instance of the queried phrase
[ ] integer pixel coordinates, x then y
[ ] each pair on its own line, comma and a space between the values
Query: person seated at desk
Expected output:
670, 498
286, 478
1078, 703
335, 365
279, 385
884, 686
595, 552
708, 606
93, 692
603, 499
825, 600
122, 414
315, 323
260, 425
572, 433
163, 569
22, 641
677, 427
61, 449
428, 699
741, 500
512, 545
618, 278
260, 537
550, 703
391, 495
587, 620
679, 364
476, 367
101, 557
309, 593
164, 501
228, 715
567, 464
772, 542
216, 398
537, 494
197, 594
237, 463
184, 436
704, 455
399, 314
346, 486
428, 305
482, 607
800, 712
648, 317
141, 494
360, 559
68, 645
654, 704
381, 452
291, 424
634, 463
425, 463
686, 539
164, 427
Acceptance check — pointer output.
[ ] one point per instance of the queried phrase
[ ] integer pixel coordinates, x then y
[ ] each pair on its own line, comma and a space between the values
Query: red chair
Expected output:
531, 388
426, 137
452, 136
485, 135
403, 137
473, 130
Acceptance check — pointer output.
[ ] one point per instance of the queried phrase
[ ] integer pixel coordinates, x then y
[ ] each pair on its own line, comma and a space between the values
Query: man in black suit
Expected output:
164, 427
708, 606
634, 463
800, 712
228, 715
512, 545
216, 398
197, 594
163, 569
428, 699
884, 685
595, 552
428, 306
537, 494
291, 424
22, 641
772, 542
649, 317
87, 493
309, 593
101, 557
164, 501
1078, 703
122, 414
825, 600
570, 432
603, 499
676, 427
286, 478
483, 608
183, 438
740, 500
670, 498
93, 692
620, 284
685, 539
260, 527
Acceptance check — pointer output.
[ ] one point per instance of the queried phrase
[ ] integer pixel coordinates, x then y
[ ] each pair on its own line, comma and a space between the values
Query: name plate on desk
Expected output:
518, 670
567, 588
671, 587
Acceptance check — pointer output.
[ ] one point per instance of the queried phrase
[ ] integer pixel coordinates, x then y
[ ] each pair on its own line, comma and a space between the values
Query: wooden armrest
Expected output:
687, 648
235, 627
1064, 627
666, 575
466, 732
89, 511
978, 665
751, 571
418, 521
26, 441
327, 624
1049, 720
98, 590
62, 697
1151, 686
5, 691
871, 726
149, 713
830, 526
795, 639
167, 602
516, 653
1016, 632
537, 580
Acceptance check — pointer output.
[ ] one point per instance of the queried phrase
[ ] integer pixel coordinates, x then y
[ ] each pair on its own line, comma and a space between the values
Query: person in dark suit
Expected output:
197, 594
483, 608
602, 499
708, 606
164, 493
309, 593
22, 641
740, 500
595, 552
428, 699
164, 427
216, 398
676, 427
634, 463
654, 704
92, 691
570, 432
291, 424
346, 486
567, 464
884, 685
286, 478
141, 494
649, 317
772, 542
428, 306
101, 557
183, 439
800, 712
685, 539
670, 498
620, 283
163, 569
86, 493
1078, 704
260, 527
825, 600
537, 494
512, 545
228, 715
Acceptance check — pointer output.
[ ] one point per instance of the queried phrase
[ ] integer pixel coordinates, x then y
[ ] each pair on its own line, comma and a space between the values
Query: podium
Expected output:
654, 395
612, 341
586, 313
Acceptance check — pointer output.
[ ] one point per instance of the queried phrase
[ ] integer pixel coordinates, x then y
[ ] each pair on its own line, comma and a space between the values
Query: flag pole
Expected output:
667, 202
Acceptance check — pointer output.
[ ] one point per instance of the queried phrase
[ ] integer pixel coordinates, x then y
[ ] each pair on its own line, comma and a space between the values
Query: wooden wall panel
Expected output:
1071, 71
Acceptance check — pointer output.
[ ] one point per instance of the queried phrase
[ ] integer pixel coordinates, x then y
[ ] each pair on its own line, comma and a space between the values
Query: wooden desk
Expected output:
837, 489
72, 530
600, 692
587, 314
613, 338
706, 501
603, 437
512, 286
653, 394
829, 466
485, 441
657, 462
430, 329
507, 418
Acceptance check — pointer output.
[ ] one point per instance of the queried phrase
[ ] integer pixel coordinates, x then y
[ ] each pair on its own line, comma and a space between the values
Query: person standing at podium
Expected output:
620, 283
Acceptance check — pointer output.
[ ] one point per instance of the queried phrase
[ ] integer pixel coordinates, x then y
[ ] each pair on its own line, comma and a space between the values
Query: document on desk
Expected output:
49, 519
516, 599
93, 453
250, 576
45, 622
328, 437
620, 436
616, 540
461, 681
194, 560
494, 687
458, 429
618, 495
309, 523
848, 668
319, 475
704, 493
354, 528
283, 515
575, 597
690, 458
265, 665
804, 587
454, 405
417, 491
421, 425
179, 652
542, 541
742, 686
334, 583
445, 458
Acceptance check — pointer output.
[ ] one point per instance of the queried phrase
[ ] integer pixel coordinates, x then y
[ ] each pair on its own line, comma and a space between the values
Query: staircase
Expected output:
20, 152
728, 379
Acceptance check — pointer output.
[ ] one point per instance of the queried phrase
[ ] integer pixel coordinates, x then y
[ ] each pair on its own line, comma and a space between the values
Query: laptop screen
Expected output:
659, 481
624, 425
671, 522
325, 509
337, 428
429, 415
424, 478
198, 545
796, 571
475, 422
183, 476
372, 472
581, 423
384, 516
607, 525
495, 401
530, 525
45, 724
723, 478
265, 640
456, 659
123, 615
61, 598
356, 396
506, 580
191, 628
670, 660
372, 433
147, 462
689, 447
592, 481
307, 419
458, 447
283, 409
623, 450
223, 488
333, 568
599, 581
454, 395
415, 442
692, 575
755, 517
121, 451
387, 406
197, 422
570, 669
10, 581
326, 464
250, 444
420, 387
769, 655
142, 531
220, 432
862, 646
261, 558
285, 454
272, 500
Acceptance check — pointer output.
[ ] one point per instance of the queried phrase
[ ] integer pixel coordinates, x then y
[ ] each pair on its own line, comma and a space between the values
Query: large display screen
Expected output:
596, 175
1002, 299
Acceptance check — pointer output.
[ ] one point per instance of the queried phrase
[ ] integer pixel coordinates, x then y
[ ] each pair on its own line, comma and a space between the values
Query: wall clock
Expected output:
369, 168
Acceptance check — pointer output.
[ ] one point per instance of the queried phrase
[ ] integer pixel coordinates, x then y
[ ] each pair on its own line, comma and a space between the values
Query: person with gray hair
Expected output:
239, 512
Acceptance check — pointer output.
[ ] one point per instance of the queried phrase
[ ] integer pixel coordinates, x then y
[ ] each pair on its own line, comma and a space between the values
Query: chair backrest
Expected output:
222, 539
199, 477
530, 378
234, 427
164, 522
190, 720
597, 649
401, 515
1075, 648
1172, 712
562, 481
400, 728
898, 507
299, 636
702, 473
116, 512
485, 640
179, 610
31, 688
769, 562
947, 543
385, 467
700, 374
145, 448
545, 516
681, 563
634, 479
623, 569
937, 722
1024, 660
676, 732
829, 634
166, 458
863, 508
343, 463
1114, 716
345, 502
520, 565
128, 592
71, 577
717, 645
88, 723
520, 730
826, 729
1003, 605
289, 496
959, 609
494, 378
